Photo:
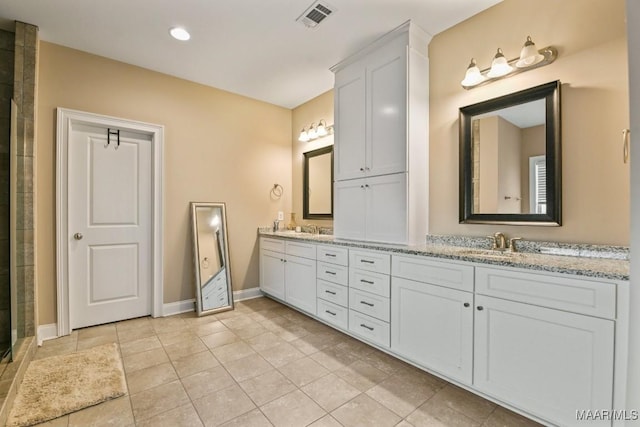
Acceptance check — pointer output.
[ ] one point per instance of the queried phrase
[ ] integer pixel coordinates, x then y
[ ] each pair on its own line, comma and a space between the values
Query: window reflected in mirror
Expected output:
318, 184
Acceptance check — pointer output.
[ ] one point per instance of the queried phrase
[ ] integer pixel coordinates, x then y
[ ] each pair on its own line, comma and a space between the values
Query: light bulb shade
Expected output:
500, 66
304, 136
321, 130
312, 133
529, 55
179, 33
473, 76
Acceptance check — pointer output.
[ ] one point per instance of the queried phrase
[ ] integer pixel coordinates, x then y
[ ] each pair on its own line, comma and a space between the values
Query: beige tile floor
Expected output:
264, 364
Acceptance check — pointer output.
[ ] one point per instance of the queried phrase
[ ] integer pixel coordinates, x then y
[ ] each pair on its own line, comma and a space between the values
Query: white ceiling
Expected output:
250, 47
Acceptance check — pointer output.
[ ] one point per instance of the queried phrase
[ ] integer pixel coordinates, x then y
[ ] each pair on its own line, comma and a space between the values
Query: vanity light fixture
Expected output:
530, 58
304, 136
179, 33
315, 131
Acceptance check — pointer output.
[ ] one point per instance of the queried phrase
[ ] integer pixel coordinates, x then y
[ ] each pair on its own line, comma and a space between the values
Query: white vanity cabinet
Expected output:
332, 285
288, 272
369, 302
381, 102
550, 362
372, 208
431, 318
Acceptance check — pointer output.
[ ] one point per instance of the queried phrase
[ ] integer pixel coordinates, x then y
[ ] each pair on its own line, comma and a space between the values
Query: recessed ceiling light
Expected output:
179, 34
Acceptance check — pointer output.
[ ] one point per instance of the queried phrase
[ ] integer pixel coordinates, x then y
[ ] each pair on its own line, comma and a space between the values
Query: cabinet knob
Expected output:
466, 304
366, 186
361, 169
480, 308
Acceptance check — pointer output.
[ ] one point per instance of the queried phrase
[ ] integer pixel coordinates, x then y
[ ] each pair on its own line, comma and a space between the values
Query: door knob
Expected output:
78, 236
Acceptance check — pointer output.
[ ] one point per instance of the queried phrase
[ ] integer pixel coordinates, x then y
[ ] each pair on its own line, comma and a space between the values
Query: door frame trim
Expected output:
65, 119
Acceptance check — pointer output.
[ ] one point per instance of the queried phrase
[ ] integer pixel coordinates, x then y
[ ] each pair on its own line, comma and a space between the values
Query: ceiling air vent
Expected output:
315, 14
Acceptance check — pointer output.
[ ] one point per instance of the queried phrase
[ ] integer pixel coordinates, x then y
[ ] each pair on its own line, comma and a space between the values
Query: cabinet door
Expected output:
272, 273
386, 208
349, 205
431, 326
548, 362
349, 105
300, 280
386, 117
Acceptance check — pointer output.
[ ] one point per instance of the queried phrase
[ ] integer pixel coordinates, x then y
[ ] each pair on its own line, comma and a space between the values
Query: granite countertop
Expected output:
596, 265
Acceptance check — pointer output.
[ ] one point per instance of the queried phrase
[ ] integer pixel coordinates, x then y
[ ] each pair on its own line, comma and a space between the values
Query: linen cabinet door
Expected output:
387, 109
433, 327
387, 208
349, 209
272, 273
547, 362
300, 279
349, 105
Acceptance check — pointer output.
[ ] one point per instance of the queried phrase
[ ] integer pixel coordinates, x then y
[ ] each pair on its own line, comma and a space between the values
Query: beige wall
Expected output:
320, 107
592, 65
219, 147
508, 167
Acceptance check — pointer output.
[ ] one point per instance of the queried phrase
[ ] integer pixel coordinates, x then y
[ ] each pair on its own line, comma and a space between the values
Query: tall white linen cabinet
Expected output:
381, 152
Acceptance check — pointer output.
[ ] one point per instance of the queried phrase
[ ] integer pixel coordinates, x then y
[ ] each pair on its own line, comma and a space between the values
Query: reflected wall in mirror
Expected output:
510, 158
318, 184
211, 258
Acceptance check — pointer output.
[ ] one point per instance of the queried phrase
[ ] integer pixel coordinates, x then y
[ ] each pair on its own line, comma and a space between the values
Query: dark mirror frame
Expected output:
305, 190
550, 92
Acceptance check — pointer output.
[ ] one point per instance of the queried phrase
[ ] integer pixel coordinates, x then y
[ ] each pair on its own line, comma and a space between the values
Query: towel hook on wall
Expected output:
113, 132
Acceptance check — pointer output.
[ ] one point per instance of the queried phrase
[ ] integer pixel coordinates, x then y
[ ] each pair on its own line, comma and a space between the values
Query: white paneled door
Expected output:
109, 224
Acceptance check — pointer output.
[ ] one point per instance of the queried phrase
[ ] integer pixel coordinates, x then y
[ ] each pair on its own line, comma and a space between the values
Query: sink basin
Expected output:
488, 253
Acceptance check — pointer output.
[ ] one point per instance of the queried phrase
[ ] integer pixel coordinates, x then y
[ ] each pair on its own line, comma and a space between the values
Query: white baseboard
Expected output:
244, 294
47, 332
171, 308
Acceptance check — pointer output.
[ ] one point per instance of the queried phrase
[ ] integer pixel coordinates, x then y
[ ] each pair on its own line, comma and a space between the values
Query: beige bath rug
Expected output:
59, 385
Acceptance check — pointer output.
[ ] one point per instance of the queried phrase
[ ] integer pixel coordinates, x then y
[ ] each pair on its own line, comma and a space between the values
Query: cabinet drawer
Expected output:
370, 261
376, 283
596, 298
304, 250
333, 273
373, 330
439, 273
276, 245
332, 292
333, 313
367, 303
333, 254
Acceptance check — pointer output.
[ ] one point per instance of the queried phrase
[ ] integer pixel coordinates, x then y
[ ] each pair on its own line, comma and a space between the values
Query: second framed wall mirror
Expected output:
317, 191
510, 159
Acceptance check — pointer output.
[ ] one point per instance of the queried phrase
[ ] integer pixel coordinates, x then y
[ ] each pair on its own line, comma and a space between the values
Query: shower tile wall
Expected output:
7, 42
24, 90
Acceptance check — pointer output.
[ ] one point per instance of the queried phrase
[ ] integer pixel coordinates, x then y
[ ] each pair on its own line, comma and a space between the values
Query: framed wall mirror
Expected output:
510, 159
318, 184
211, 258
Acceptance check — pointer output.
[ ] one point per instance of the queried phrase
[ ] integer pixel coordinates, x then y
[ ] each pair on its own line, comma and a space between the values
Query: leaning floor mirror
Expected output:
211, 256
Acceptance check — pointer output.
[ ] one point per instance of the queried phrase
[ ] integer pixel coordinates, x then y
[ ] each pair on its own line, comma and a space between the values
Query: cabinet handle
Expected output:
330, 255
365, 326
466, 304
480, 308
330, 312
330, 272
366, 261
366, 303
330, 292
368, 282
